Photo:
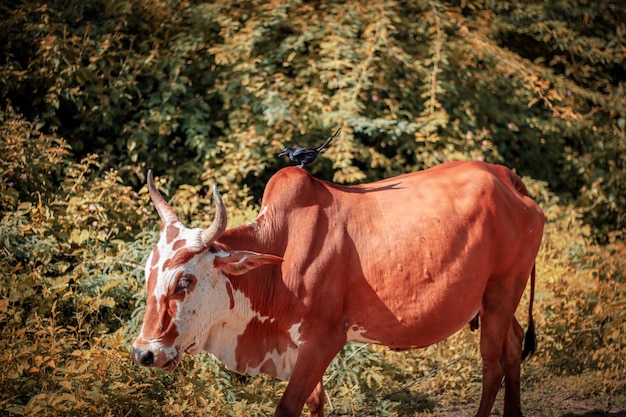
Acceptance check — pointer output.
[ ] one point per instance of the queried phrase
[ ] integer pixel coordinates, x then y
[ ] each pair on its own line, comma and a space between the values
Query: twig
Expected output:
334, 374
417, 381
330, 403
438, 44
122, 263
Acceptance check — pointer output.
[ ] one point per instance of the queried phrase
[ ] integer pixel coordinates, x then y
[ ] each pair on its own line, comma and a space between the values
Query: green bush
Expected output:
116, 78
219, 88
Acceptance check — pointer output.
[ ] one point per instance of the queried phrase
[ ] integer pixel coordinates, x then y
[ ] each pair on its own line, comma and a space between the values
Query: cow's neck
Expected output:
229, 323
251, 335
261, 235
250, 339
261, 285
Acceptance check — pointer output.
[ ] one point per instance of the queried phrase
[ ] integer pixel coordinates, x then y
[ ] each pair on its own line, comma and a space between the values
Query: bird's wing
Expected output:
298, 151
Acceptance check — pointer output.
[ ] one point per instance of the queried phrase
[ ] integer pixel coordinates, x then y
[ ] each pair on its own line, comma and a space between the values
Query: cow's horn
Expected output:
213, 232
166, 212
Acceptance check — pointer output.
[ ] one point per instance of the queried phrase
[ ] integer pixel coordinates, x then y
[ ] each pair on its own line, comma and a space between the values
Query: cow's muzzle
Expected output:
165, 359
143, 357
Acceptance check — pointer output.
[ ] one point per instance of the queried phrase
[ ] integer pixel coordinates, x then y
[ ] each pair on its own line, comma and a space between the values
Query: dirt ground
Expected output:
560, 397
569, 407
548, 406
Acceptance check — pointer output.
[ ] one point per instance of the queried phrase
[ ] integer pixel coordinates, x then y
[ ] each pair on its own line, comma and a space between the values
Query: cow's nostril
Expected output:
146, 358
143, 357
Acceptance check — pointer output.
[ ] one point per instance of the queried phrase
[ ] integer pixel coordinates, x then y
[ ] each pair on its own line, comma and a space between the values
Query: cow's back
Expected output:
397, 251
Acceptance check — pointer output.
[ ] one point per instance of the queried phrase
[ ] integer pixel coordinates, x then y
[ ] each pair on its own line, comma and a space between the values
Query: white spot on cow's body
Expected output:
283, 362
262, 212
256, 222
357, 334
221, 337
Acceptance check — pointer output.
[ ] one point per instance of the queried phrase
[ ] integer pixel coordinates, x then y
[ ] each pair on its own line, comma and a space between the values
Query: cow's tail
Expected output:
530, 340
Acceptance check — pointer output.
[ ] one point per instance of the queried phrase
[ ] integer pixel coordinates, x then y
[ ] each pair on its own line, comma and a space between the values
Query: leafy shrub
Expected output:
67, 273
117, 78
219, 88
580, 298
209, 93
71, 300
71, 286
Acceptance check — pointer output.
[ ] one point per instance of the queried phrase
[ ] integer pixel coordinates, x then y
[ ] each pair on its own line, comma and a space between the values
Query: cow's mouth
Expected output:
170, 365
174, 362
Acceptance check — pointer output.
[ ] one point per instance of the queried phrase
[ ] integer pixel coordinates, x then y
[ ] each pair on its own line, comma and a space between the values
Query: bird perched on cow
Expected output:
304, 156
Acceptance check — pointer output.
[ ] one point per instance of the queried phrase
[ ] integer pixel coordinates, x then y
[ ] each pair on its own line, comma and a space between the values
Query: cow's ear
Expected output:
239, 262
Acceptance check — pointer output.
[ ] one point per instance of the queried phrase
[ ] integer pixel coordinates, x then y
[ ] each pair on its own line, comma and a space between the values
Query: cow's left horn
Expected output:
213, 232
166, 212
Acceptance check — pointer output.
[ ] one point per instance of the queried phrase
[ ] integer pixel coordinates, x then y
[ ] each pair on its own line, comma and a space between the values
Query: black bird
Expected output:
304, 156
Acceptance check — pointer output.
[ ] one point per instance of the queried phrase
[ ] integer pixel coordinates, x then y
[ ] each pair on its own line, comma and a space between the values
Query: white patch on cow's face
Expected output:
188, 240
170, 353
206, 306
178, 267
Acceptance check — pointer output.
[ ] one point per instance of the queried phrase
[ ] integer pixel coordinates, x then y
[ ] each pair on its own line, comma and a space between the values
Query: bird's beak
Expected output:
284, 152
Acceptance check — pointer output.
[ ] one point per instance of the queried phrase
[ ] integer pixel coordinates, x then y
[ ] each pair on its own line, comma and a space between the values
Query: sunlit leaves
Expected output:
209, 93
167, 84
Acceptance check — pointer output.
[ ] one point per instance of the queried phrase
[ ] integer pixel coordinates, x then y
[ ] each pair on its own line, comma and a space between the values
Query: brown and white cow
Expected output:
404, 262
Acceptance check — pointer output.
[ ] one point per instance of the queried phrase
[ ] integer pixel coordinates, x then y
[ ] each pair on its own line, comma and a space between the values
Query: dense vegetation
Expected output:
93, 93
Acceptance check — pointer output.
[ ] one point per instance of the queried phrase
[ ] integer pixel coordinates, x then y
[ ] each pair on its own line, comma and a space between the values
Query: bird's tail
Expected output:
320, 148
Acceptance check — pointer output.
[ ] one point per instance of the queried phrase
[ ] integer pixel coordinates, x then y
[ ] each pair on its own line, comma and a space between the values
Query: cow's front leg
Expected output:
305, 384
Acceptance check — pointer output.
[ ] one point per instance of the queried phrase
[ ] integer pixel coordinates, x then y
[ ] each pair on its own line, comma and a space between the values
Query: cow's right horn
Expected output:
166, 212
213, 232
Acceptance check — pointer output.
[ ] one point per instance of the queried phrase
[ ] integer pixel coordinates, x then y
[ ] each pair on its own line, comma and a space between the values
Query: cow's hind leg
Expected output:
500, 348
491, 350
512, 364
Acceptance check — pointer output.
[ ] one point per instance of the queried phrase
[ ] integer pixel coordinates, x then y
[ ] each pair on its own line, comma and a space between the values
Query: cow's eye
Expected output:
183, 284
